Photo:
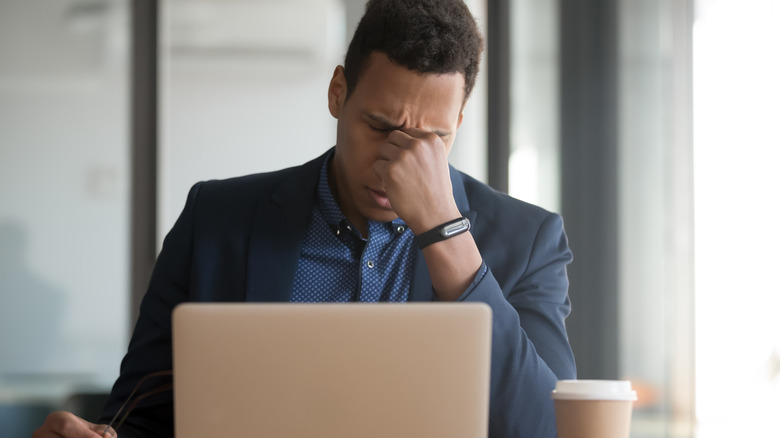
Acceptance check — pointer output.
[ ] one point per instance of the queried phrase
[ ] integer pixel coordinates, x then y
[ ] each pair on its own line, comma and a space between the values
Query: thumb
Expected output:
103, 430
66, 424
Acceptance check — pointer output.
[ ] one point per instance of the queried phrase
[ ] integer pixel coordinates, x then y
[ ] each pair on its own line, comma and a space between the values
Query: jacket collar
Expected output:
277, 233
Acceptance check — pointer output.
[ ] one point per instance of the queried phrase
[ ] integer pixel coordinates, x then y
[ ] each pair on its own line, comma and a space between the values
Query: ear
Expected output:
462, 110
337, 92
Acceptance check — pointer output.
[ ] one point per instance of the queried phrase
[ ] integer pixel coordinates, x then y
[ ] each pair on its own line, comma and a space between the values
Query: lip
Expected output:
380, 198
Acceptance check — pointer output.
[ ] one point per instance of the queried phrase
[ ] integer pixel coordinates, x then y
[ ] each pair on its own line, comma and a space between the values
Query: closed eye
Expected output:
380, 124
381, 130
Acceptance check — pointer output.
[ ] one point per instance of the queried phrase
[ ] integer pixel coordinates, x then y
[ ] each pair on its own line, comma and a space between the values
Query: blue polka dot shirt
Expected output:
338, 265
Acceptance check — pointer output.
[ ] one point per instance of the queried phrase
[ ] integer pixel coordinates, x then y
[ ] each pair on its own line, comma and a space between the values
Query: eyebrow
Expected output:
387, 124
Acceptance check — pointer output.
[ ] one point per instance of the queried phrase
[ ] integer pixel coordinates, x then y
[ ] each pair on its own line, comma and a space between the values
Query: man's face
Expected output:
387, 97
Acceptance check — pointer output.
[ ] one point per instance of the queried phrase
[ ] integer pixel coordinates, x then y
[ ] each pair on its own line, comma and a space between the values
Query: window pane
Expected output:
655, 214
737, 152
244, 89
533, 163
63, 202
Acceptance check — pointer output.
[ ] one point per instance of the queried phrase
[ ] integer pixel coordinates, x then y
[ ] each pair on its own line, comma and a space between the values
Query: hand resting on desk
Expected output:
63, 424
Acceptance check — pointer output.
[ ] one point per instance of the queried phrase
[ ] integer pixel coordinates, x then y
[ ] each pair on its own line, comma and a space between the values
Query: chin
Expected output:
378, 215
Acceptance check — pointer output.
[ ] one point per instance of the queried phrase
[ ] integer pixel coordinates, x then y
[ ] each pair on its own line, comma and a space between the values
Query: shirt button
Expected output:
400, 229
370, 264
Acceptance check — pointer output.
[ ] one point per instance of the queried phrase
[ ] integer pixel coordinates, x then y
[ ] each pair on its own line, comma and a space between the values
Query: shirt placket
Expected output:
370, 288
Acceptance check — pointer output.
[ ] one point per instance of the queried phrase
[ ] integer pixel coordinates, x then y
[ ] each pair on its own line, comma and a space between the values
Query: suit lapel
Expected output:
277, 235
421, 288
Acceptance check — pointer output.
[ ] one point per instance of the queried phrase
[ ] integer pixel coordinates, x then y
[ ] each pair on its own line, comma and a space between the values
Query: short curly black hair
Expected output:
428, 36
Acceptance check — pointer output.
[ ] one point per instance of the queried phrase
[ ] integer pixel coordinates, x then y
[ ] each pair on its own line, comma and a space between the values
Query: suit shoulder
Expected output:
493, 205
282, 183
241, 186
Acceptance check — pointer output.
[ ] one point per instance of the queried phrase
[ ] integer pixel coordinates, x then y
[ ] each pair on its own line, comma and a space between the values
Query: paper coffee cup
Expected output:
593, 408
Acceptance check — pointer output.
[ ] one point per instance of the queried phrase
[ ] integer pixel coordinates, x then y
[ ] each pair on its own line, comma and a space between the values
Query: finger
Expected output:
66, 425
399, 138
381, 168
414, 139
103, 430
399, 142
411, 138
388, 151
417, 133
421, 134
397, 145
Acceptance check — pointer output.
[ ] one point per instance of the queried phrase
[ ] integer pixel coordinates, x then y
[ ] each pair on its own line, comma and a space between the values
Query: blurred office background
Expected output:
649, 124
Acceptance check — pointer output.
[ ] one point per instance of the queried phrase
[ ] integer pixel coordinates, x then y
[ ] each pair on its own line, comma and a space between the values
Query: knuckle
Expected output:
417, 143
58, 421
395, 172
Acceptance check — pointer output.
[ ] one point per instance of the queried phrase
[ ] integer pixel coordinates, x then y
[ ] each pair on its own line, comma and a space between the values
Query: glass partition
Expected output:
63, 203
243, 89
737, 153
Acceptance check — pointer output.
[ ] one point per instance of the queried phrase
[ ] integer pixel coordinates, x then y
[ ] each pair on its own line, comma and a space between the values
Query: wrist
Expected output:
443, 231
431, 218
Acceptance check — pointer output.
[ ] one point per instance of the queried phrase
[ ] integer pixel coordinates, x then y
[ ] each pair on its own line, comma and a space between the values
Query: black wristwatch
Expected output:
443, 232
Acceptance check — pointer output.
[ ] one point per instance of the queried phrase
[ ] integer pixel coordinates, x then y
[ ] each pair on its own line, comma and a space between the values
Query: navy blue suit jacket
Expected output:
240, 239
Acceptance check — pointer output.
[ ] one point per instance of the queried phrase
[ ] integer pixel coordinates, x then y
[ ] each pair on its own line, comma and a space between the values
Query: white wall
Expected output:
242, 96
63, 195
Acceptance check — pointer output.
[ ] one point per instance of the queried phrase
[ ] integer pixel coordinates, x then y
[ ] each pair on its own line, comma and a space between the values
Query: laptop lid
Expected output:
332, 370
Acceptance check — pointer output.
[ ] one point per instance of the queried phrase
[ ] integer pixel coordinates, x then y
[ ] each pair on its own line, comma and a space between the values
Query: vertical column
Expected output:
588, 135
143, 182
498, 93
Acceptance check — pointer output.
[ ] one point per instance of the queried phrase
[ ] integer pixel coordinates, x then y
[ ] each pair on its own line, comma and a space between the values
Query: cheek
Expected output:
363, 146
359, 152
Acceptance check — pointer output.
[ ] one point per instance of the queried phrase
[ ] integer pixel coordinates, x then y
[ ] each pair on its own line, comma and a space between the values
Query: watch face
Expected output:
443, 232
454, 228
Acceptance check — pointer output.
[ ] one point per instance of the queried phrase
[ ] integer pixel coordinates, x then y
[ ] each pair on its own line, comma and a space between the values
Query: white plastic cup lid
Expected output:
593, 390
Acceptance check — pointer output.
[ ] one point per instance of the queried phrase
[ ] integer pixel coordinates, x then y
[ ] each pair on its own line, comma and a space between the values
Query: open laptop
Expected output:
332, 370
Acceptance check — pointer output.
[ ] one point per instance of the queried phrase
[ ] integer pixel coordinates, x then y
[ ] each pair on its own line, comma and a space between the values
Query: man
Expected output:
354, 225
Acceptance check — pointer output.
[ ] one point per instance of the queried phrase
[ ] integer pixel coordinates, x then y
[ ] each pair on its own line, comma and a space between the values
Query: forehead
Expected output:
396, 92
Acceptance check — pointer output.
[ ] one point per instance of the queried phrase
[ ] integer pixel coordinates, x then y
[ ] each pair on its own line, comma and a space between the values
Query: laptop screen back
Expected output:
332, 370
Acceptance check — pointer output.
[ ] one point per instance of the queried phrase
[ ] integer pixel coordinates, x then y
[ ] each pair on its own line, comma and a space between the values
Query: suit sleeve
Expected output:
150, 348
530, 346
